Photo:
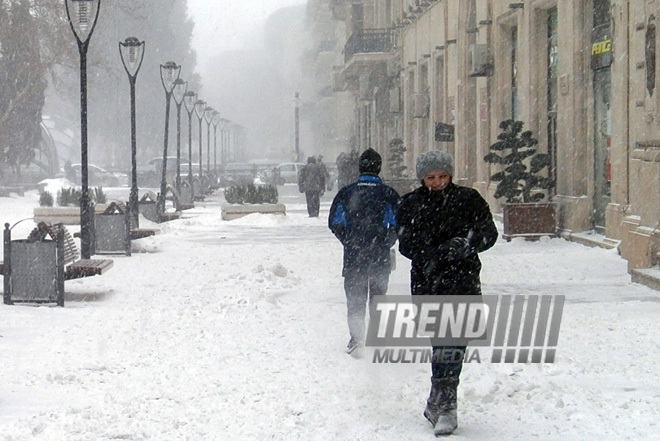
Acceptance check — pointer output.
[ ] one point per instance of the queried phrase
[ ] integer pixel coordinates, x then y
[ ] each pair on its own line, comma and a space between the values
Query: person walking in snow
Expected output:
442, 228
363, 218
311, 181
326, 173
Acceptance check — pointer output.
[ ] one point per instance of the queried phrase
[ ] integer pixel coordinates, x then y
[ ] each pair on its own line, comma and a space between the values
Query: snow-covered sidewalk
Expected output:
235, 330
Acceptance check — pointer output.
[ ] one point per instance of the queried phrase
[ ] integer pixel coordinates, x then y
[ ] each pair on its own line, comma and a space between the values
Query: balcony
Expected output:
371, 53
369, 41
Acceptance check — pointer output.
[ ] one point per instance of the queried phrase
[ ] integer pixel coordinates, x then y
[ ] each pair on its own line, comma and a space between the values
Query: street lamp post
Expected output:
189, 99
297, 117
169, 73
132, 54
180, 88
223, 124
208, 117
231, 147
82, 15
200, 105
224, 157
215, 121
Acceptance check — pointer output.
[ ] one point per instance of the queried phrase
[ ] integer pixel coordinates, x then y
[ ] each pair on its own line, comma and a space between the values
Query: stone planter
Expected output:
64, 215
234, 211
529, 220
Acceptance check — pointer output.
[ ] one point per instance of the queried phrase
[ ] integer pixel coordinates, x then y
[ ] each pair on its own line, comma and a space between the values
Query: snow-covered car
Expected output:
150, 174
99, 177
235, 173
288, 172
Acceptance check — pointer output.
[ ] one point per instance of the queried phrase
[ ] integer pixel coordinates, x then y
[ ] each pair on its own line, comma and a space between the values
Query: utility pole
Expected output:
297, 127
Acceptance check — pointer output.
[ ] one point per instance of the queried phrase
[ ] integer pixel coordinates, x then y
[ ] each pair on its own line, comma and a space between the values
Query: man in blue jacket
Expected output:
363, 217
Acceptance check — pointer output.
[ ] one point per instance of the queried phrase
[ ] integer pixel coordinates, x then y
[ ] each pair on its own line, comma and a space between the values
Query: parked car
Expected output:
288, 172
234, 173
184, 169
99, 177
150, 174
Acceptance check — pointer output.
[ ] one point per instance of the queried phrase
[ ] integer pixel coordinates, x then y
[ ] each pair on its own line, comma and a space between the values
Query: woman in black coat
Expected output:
442, 228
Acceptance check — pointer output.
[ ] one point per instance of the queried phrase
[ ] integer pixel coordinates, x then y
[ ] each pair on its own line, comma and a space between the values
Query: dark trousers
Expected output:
313, 202
359, 288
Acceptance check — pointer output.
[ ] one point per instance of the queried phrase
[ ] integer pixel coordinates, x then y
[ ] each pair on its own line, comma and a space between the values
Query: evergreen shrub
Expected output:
251, 194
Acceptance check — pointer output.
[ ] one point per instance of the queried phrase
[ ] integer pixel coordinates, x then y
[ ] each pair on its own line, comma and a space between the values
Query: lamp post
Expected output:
180, 88
297, 118
189, 99
232, 152
132, 54
82, 15
200, 105
215, 121
225, 141
208, 117
169, 73
223, 123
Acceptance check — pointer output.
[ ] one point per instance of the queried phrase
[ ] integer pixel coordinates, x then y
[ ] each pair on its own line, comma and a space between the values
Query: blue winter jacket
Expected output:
363, 217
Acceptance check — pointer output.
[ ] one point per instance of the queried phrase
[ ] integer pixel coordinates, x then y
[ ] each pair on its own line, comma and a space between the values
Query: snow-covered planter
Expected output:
234, 211
64, 215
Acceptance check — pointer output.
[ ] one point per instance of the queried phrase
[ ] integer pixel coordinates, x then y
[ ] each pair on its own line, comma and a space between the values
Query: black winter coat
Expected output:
428, 219
311, 178
363, 217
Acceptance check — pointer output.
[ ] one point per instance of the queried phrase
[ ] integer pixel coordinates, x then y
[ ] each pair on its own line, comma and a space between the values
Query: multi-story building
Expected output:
580, 74
353, 72
327, 112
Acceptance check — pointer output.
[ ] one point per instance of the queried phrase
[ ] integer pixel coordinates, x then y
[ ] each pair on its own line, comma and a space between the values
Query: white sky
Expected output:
230, 24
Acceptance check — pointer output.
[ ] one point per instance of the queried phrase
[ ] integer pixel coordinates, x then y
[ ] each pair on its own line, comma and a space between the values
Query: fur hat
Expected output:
434, 160
370, 162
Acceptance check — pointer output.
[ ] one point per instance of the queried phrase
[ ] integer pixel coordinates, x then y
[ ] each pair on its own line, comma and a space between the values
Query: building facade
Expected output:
580, 74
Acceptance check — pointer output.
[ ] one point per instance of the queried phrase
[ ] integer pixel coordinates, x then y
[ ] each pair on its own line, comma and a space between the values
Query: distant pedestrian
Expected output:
342, 170
69, 172
311, 181
442, 227
326, 173
353, 167
363, 217
276, 176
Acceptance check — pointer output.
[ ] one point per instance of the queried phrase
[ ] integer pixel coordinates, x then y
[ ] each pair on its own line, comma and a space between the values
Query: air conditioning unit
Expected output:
479, 61
422, 105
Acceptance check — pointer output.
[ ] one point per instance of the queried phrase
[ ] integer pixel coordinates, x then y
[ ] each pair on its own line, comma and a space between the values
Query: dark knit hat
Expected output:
434, 160
370, 162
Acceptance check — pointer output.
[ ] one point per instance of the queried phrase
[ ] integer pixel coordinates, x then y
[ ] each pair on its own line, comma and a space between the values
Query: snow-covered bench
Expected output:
35, 268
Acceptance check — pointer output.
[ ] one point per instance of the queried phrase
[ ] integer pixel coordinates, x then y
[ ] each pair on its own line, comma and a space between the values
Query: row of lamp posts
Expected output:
83, 15
176, 87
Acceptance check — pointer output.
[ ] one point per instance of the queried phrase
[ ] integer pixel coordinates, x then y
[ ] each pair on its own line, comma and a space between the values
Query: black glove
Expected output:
456, 248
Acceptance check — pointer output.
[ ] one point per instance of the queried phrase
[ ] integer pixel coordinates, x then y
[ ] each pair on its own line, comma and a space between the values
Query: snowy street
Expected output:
216, 330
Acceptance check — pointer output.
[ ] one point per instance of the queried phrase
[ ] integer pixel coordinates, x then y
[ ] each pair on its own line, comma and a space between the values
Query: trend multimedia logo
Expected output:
523, 329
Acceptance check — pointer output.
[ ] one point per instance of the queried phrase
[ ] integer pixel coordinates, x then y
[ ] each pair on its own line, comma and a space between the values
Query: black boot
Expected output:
432, 411
447, 418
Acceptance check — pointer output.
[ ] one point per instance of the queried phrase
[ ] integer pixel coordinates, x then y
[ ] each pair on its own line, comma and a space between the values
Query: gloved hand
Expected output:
456, 248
